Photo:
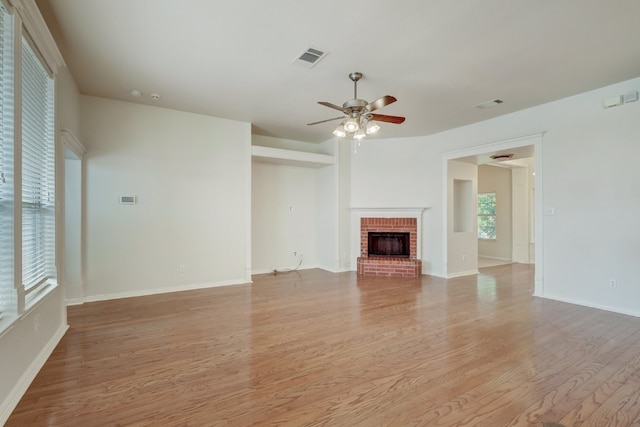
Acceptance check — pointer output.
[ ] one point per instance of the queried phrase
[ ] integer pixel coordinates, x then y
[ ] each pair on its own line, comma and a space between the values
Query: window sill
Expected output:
6, 323
33, 299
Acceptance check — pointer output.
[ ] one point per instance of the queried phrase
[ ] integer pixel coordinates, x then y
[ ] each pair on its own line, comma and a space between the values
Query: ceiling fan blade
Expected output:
388, 119
381, 102
330, 105
324, 121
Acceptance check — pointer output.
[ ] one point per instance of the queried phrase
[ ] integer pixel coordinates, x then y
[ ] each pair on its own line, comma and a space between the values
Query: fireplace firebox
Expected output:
389, 244
389, 247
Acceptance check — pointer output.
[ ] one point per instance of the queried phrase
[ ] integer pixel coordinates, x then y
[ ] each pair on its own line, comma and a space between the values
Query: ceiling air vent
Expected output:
310, 57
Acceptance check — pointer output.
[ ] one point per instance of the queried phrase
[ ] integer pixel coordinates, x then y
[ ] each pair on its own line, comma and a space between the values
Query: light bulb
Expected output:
351, 125
339, 132
372, 127
359, 134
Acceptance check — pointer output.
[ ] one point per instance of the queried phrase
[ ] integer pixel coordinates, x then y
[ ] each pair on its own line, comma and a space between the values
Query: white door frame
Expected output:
535, 140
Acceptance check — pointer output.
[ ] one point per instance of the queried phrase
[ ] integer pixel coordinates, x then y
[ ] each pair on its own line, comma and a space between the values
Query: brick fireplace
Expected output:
390, 265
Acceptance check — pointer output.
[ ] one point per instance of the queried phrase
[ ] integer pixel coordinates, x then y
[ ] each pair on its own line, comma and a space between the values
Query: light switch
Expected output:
613, 102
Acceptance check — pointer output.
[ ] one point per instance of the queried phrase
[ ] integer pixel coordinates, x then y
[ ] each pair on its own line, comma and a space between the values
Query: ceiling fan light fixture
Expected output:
351, 125
372, 127
358, 114
340, 132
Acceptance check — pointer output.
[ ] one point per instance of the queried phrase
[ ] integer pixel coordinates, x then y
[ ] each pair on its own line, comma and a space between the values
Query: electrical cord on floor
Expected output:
288, 270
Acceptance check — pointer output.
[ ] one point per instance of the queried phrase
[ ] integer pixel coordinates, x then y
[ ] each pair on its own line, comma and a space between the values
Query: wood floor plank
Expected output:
315, 348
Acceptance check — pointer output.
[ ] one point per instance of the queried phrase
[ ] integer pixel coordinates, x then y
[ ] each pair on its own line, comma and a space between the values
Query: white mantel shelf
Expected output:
392, 212
290, 157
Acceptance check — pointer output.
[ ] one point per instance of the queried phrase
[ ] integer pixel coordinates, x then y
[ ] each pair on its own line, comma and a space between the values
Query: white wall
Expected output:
462, 244
327, 202
73, 281
588, 174
27, 344
191, 176
403, 172
493, 179
294, 209
284, 205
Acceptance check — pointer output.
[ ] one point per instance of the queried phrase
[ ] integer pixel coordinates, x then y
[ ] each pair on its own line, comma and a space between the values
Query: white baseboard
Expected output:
13, 398
145, 292
495, 257
461, 274
434, 274
590, 305
285, 269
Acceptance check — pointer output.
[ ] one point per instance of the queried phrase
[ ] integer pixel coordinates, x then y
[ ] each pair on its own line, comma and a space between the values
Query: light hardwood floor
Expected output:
321, 349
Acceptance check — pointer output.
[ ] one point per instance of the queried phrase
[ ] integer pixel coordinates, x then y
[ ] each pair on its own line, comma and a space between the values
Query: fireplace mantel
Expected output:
408, 212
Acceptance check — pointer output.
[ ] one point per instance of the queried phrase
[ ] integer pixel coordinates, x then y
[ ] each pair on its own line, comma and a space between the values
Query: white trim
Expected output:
156, 291
291, 157
72, 143
536, 140
248, 261
37, 29
285, 270
590, 305
495, 257
462, 274
14, 396
520, 141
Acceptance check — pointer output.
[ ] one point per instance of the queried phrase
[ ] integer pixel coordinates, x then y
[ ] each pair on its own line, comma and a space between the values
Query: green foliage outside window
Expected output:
487, 215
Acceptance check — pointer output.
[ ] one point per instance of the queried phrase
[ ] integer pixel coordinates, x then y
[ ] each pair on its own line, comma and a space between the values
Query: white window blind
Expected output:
7, 282
38, 186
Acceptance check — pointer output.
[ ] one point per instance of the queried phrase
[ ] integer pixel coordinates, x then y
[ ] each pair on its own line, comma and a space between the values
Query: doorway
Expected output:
522, 159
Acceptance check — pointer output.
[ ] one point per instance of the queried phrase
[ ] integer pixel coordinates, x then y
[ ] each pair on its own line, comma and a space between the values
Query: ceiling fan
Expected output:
358, 117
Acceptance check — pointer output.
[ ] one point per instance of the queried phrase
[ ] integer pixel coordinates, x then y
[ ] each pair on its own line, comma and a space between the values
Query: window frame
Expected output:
38, 176
482, 214
27, 27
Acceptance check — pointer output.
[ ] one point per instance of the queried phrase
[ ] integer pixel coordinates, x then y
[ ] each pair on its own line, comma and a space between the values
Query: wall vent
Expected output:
310, 57
127, 200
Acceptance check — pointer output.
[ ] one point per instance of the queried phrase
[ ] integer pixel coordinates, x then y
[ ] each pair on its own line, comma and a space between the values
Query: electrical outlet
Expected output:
181, 268
295, 253
613, 283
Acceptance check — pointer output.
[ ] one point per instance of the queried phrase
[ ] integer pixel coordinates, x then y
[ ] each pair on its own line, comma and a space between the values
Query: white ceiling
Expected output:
234, 59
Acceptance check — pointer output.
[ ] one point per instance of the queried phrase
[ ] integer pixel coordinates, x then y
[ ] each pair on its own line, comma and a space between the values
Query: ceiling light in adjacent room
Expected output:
501, 156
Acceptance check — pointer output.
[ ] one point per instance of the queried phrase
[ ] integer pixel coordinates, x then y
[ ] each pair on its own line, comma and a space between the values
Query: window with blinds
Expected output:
7, 286
38, 185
